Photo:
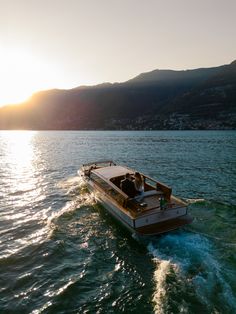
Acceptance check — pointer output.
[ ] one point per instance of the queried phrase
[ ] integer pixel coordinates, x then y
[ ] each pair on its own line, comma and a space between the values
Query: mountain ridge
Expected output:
159, 99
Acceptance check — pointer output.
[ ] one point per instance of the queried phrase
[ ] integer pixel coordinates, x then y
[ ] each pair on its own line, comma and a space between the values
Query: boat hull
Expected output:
164, 226
150, 224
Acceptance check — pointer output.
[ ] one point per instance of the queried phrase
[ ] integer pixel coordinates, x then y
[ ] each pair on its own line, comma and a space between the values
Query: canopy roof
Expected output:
111, 172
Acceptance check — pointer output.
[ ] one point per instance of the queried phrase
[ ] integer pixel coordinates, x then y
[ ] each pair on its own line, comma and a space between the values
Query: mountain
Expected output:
212, 101
186, 77
161, 99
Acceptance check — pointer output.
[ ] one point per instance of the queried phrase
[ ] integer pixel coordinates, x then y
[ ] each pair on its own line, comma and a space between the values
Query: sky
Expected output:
48, 44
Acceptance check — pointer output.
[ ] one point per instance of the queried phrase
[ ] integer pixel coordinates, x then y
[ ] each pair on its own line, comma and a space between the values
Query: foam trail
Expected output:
194, 200
73, 186
164, 268
160, 275
87, 199
196, 266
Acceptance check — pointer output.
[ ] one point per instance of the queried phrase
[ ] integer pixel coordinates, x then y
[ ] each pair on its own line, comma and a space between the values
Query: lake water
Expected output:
60, 252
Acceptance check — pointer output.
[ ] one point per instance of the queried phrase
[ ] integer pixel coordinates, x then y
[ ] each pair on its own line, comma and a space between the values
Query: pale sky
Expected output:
66, 43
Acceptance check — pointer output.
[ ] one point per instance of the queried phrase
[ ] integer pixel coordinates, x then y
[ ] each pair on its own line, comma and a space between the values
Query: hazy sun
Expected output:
21, 74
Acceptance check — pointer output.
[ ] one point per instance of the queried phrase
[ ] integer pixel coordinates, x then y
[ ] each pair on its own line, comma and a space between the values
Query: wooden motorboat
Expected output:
156, 211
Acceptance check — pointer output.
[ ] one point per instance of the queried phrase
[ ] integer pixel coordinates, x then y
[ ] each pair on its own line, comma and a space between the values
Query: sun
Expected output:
22, 74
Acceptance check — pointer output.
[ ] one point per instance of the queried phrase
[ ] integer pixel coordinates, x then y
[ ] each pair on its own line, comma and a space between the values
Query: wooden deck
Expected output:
140, 207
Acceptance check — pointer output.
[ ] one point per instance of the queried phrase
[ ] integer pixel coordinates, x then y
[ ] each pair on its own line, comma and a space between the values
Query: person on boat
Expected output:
127, 186
138, 183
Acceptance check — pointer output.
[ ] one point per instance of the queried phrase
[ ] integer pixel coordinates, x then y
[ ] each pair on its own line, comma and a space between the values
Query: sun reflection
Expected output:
20, 148
22, 191
18, 165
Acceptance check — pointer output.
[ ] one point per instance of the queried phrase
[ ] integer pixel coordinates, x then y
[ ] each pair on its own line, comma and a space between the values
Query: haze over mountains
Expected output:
161, 99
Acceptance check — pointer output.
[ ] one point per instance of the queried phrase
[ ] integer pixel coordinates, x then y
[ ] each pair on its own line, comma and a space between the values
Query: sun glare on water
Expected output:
21, 160
22, 74
20, 149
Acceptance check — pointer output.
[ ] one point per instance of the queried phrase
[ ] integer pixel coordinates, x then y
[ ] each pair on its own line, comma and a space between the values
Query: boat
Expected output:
155, 212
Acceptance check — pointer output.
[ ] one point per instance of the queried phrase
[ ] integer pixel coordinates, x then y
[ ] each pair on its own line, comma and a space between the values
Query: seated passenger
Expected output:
139, 183
127, 186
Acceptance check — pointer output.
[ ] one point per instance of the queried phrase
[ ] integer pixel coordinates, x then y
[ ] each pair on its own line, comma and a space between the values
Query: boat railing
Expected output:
99, 162
95, 165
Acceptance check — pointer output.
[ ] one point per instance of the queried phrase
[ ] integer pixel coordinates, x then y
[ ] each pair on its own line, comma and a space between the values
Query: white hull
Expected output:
151, 219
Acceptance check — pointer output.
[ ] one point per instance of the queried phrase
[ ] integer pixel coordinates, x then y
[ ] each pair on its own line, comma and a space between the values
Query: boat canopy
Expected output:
112, 172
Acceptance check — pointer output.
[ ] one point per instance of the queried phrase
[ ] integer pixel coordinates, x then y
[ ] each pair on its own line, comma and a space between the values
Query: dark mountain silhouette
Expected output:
214, 100
186, 77
161, 99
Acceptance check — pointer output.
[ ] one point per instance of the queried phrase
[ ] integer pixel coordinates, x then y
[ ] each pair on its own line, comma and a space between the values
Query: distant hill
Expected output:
186, 77
161, 99
212, 101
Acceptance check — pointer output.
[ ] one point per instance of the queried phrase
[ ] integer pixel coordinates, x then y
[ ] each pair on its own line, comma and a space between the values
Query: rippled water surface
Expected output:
60, 252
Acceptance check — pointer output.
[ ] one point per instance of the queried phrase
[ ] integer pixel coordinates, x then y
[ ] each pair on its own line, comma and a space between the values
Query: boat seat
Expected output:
152, 192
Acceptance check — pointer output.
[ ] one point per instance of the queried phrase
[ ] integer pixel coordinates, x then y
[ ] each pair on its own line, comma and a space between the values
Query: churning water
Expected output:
60, 252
